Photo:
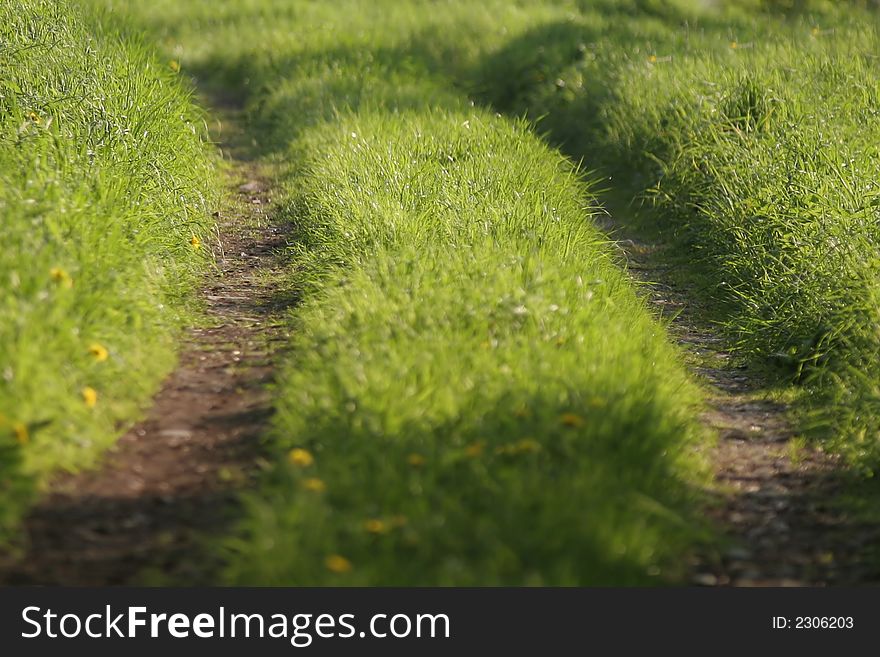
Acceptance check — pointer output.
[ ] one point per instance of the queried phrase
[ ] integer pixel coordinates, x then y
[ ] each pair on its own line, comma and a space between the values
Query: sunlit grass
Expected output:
753, 138
475, 393
480, 392
103, 181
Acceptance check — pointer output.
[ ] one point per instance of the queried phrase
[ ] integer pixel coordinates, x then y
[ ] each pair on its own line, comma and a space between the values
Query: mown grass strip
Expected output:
105, 183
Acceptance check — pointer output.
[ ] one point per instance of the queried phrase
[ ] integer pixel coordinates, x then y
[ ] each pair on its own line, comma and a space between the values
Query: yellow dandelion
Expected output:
98, 352
524, 446
376, 526
300, 457
174, 65
21, 433
416, 460
571, 420
315, 485
734, 45
652, 59
196, 242
337, 564
61, 277
527, 446
474, 449
90, 396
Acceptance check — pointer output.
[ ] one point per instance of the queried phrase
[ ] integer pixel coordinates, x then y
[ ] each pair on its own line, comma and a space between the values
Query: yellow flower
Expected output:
61, 277
315, 485
90, 396
815, 31
527, 445
376, 526
571, 420
300, 457
337, 564
652, 58
196, 242
174, 65
21, 433
416, 460
524, 446
474, 449
33, 116
98, 352
734, 45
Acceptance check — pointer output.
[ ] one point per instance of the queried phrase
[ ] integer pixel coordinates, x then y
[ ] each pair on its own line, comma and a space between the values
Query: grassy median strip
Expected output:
104, 190
755, 137
476, 394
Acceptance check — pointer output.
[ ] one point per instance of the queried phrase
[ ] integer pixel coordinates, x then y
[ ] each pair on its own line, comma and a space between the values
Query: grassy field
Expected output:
475, 394
752, 134
475, 391
104, 184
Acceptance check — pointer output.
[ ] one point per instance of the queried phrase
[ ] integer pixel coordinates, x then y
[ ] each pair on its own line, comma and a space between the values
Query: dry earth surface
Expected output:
775, 502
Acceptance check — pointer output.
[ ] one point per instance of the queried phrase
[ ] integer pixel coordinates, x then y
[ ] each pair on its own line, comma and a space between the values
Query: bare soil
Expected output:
171, 483
775, 502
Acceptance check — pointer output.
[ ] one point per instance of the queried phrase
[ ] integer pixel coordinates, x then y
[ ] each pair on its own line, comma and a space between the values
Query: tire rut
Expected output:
775, 501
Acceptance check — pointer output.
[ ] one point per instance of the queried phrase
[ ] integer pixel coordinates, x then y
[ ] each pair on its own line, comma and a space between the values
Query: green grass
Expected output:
104, 180
754, 138
479, 394
473, 372
475, 393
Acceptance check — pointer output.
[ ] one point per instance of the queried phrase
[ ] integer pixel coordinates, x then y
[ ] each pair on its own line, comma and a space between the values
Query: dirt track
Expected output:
780, 516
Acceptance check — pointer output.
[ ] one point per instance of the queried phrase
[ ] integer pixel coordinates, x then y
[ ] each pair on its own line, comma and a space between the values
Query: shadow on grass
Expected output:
601, 504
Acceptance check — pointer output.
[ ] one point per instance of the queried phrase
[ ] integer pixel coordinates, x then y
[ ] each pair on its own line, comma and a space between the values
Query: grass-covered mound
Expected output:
753, 130
480, 396
104, 184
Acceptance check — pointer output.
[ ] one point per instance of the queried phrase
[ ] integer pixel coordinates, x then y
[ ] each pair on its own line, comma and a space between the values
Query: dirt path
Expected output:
171, 481
775, 502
